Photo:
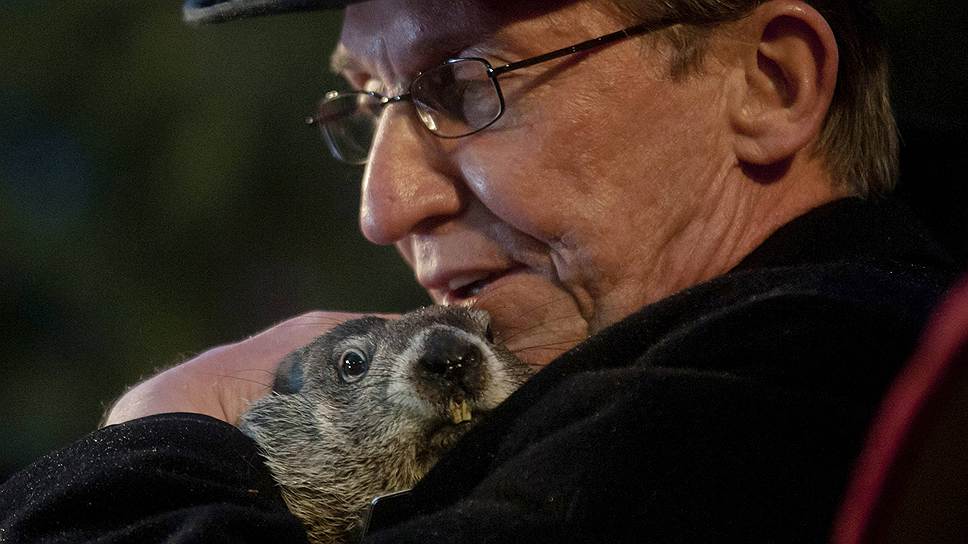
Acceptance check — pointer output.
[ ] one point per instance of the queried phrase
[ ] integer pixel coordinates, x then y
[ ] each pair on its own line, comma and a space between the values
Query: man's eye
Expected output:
353, 365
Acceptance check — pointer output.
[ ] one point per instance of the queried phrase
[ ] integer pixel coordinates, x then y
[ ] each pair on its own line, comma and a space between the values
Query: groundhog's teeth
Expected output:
460, 411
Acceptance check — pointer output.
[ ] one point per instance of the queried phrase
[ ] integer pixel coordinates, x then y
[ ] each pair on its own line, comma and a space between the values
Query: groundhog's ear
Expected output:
289, 375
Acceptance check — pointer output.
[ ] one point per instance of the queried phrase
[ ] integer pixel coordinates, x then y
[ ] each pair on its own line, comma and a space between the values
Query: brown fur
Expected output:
334, 444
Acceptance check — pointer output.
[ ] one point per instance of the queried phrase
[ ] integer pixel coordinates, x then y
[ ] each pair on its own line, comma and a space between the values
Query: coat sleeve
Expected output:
171, 477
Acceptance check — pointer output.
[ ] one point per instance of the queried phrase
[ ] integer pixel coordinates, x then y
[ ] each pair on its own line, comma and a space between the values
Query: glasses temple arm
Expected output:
586, 45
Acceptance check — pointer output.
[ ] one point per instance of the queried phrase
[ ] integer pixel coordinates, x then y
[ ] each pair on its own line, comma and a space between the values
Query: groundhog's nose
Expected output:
450, 357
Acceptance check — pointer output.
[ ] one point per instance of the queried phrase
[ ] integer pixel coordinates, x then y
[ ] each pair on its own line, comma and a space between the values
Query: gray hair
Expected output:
858, 141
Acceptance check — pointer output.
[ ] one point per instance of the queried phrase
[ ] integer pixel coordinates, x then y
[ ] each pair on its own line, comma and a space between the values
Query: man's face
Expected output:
571, 211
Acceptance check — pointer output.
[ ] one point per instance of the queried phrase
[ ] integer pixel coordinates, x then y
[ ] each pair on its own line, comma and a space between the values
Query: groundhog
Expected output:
368, 408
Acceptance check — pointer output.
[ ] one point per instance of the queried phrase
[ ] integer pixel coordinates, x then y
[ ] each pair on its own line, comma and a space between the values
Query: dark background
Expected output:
159, 196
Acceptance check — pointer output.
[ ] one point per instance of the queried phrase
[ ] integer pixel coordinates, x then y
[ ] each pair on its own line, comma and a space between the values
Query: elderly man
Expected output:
672, 207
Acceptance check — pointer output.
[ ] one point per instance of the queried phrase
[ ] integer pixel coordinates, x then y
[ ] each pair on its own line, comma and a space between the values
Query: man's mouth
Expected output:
466, 289
461, 288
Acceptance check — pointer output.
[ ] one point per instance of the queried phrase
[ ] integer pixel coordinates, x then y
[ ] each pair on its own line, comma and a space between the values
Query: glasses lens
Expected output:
457, 98
348, 122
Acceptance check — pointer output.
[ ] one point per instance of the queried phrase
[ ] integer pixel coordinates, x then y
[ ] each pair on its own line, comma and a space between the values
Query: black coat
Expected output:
730, 411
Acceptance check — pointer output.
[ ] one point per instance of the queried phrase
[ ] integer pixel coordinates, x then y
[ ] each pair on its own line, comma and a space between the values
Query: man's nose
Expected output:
406, 186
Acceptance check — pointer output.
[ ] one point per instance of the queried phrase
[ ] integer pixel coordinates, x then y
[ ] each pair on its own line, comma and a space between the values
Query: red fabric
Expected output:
909, 410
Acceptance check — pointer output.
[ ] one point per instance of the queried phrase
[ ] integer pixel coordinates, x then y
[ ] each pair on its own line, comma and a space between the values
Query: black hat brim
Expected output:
217, 11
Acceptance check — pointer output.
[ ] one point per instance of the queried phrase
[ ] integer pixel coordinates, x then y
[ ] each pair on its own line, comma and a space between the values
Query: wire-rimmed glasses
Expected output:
454, 99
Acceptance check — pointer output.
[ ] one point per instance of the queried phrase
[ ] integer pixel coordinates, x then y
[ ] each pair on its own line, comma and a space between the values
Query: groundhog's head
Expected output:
424, 377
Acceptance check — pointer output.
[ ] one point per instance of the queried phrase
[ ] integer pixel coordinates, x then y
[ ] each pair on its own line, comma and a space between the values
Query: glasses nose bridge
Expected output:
386, 101
405, 97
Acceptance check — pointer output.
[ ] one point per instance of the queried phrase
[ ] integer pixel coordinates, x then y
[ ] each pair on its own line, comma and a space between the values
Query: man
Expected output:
677, 201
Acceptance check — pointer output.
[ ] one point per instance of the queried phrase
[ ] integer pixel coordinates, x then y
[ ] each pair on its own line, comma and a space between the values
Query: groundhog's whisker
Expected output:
487, 297
262, 370
239, 378
537, 325
316, 323
550, 345
392, 396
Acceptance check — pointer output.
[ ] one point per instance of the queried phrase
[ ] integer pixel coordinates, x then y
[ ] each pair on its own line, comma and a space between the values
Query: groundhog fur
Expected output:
368, 408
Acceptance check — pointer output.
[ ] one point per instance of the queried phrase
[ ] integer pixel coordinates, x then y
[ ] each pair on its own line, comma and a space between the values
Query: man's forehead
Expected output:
417, 30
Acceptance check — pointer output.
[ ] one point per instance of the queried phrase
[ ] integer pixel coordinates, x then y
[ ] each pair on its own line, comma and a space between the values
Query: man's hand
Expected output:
222, 381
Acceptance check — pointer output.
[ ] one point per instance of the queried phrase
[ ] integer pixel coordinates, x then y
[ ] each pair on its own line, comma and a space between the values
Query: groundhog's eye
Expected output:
353, 365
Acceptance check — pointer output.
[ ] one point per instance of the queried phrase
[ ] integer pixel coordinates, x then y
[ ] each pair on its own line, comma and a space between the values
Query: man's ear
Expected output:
790, 69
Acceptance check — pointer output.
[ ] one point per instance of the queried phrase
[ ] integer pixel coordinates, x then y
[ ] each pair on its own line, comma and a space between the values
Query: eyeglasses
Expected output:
458, 98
